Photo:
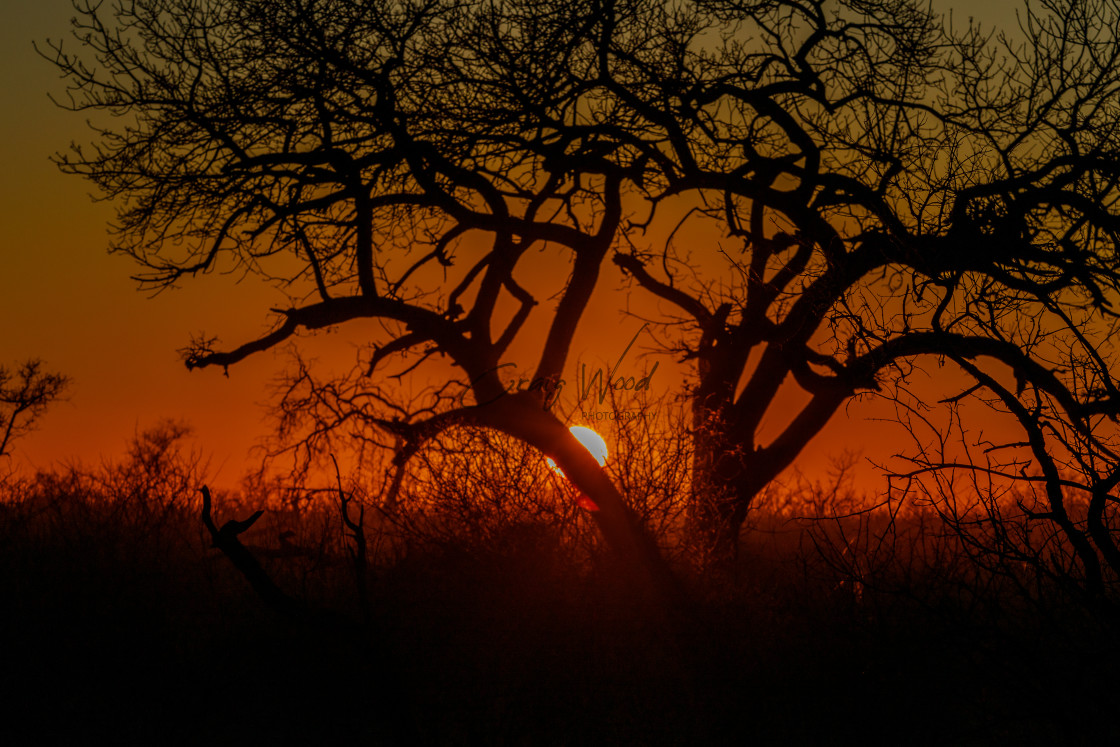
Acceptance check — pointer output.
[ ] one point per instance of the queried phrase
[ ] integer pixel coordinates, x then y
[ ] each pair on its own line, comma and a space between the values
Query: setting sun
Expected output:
591, 441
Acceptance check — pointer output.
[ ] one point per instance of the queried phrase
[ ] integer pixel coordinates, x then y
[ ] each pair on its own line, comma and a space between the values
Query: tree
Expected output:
890, 191
356, 151
25, 394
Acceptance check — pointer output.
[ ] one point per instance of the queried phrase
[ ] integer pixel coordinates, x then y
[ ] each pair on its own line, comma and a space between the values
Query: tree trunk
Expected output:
521, 415
724, 484
717, 508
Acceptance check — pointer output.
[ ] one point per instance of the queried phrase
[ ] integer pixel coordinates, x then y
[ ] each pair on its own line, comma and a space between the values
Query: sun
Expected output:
591, 441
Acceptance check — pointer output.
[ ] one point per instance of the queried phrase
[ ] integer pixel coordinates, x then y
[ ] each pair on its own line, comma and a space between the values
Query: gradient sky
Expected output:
64, 299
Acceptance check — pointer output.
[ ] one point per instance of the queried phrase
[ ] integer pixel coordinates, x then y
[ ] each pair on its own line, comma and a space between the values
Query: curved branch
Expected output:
422, 322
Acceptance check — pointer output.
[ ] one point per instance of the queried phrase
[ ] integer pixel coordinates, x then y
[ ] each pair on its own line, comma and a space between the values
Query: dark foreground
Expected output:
122, 630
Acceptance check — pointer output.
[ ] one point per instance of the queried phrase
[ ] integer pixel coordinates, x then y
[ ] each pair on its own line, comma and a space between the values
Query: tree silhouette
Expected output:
892, 191
384, 157
25, 394
888, 189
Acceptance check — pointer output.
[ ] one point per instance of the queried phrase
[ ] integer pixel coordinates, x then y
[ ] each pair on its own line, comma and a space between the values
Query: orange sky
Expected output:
62, 298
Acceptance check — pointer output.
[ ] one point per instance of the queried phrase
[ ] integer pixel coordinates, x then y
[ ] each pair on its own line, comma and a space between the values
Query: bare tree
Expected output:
888, 190
383, 160
25, 394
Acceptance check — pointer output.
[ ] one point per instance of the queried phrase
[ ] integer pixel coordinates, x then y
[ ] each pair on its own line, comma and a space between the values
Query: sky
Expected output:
65, 300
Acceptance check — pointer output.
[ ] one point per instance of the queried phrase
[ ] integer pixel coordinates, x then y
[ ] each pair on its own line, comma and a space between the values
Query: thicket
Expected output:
484, 609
